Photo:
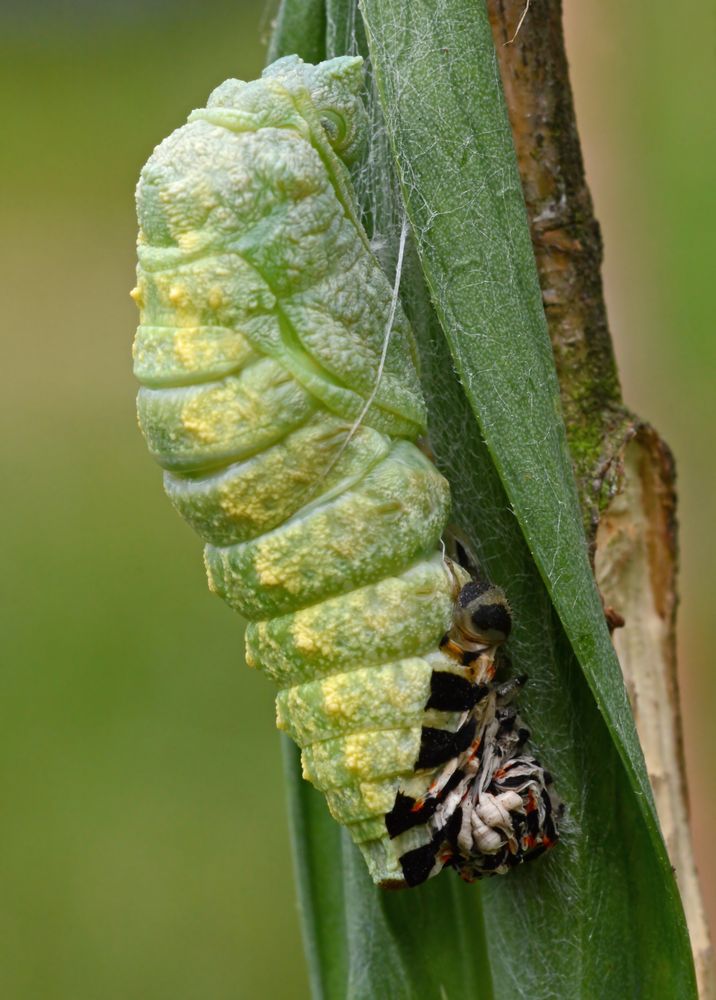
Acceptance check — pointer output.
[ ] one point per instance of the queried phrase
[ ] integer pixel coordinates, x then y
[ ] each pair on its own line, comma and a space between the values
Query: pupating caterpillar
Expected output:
262, 339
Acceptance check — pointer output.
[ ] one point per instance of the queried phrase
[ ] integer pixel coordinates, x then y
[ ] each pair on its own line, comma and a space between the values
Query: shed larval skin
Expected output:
263, 320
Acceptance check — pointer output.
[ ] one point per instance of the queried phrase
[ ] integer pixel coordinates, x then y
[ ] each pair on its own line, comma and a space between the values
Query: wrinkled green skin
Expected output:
263, 318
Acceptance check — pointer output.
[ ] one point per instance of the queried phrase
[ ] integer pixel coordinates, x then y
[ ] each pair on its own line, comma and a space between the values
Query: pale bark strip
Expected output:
635, 566
624, 471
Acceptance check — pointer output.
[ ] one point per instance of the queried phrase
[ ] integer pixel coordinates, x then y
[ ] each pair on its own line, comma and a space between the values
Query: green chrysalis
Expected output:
286, 420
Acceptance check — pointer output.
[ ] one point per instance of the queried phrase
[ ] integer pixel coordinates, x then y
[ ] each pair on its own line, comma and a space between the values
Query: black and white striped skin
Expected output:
491, 806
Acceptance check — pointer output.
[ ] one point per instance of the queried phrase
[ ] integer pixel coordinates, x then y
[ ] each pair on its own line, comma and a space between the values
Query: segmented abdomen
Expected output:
263, 320
263, 338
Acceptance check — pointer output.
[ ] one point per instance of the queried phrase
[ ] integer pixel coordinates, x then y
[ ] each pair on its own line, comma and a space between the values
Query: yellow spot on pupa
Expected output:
136, 295
186, 348
190, 240
332, 697
201, 427
273, 567
378, 796
267, 571
356, 754
304, 636
177, 295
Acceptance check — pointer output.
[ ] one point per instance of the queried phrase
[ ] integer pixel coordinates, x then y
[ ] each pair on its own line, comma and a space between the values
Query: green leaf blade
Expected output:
599, 916
465, 205
439, 87
589, 919
299, 29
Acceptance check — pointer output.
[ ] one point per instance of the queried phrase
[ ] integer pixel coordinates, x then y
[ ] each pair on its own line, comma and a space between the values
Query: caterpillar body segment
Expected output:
261, 340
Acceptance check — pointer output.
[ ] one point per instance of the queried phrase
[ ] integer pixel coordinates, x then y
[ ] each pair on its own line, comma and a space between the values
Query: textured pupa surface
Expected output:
263, 325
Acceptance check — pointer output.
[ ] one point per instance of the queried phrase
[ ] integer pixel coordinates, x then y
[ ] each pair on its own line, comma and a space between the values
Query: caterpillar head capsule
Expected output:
482, 614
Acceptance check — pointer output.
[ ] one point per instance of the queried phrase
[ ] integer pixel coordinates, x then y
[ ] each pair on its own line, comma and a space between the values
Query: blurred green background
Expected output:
143, 845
